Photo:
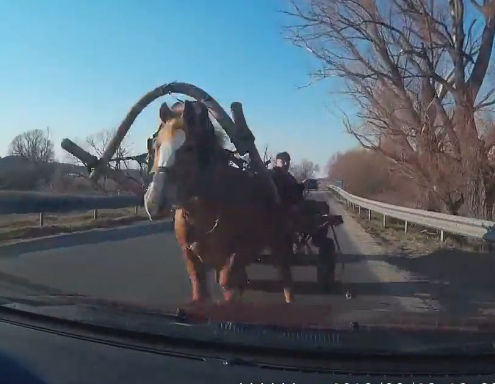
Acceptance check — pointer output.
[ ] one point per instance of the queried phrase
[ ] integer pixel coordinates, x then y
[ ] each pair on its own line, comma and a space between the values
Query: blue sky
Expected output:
77, 67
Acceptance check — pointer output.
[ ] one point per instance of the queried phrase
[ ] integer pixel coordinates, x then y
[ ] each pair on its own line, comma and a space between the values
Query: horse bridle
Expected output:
150, 159
151, 146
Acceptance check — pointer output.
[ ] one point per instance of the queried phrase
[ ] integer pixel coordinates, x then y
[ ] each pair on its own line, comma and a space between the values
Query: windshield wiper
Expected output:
457, 348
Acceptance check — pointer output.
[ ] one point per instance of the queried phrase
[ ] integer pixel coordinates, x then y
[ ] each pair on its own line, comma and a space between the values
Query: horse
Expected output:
224, 217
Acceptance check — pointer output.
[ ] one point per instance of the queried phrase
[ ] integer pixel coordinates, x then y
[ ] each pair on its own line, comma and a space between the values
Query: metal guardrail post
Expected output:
95, 214
442, 236
405, 226
384, 221
41, 219
369, 214
359, 211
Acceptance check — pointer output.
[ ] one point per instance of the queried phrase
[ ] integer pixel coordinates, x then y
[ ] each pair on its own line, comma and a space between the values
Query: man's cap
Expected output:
283, 156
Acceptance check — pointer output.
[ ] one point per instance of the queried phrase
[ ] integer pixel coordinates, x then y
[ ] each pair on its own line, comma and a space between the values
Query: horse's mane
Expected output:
219, 153
177, 122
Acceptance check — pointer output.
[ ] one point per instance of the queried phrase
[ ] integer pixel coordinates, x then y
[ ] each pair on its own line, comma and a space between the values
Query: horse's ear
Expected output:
165, 113
178, 108
203, 118
196, 117
189, 114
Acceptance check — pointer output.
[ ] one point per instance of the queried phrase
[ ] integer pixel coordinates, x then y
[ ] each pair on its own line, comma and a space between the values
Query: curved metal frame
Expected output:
236, 129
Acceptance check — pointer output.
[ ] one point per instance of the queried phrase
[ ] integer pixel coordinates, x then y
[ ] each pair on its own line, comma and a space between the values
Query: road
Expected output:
141, 264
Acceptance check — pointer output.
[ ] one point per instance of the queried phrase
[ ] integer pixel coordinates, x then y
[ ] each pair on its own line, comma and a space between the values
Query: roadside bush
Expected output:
370, 174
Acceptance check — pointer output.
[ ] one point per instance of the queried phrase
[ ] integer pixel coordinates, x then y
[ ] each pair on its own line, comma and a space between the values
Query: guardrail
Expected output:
41, 203
465, 226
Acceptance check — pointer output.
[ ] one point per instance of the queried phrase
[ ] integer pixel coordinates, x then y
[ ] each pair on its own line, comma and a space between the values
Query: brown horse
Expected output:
225, 217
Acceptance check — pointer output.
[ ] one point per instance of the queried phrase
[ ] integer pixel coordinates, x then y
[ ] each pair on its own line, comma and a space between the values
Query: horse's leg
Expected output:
286, 277
283, 254
197, 275
232, 276
225, 279
194, 266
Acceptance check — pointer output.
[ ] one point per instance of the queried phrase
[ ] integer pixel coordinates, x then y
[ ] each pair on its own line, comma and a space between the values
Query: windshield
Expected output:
304, 164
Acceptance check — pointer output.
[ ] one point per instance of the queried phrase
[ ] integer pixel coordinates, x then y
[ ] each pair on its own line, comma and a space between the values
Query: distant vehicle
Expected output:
310, 184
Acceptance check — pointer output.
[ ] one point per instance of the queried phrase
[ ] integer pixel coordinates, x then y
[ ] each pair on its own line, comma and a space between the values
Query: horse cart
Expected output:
312, 244
310, 221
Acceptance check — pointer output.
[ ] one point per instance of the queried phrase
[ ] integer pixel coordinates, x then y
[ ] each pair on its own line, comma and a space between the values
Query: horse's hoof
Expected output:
229, 295
289, 297
199, 299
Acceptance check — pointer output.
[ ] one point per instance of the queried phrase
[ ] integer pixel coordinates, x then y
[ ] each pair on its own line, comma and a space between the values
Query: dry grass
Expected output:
27, 226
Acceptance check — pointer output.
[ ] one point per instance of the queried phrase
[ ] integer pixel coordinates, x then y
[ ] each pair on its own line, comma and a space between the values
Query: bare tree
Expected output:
33, 145
122, 160
417, 70
97, 143
306, 169
372, 175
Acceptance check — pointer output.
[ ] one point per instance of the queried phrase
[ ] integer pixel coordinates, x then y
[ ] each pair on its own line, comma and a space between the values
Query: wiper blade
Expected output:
464, 348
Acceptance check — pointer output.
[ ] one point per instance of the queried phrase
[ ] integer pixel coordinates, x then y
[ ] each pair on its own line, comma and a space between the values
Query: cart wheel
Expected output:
325, 272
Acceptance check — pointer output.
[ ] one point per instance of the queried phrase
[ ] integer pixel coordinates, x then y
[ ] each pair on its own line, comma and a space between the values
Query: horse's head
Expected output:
183, 147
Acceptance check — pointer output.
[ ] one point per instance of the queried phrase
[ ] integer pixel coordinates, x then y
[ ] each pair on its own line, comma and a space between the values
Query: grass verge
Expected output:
14, 227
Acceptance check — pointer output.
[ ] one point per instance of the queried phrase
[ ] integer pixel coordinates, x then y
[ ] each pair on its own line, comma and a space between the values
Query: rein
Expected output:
217, 220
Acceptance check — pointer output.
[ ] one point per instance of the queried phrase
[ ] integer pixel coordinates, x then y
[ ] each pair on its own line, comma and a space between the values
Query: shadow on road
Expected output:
461, 282
339, 288
456, 268
84, 238
467, 270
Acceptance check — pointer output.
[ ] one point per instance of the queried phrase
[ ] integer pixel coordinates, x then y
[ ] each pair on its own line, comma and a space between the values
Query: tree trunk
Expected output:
478, 199
430, 201
477, 202
474, 173
490, 199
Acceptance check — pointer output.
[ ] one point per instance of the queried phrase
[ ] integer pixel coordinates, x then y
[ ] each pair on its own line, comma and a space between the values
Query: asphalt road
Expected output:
141, 264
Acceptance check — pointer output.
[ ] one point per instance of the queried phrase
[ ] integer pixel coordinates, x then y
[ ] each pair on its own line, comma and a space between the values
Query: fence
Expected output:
41, 203
465, 226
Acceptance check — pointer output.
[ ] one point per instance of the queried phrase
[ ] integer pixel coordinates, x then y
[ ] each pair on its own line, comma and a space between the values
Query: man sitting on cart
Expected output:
289, 189
306, 218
